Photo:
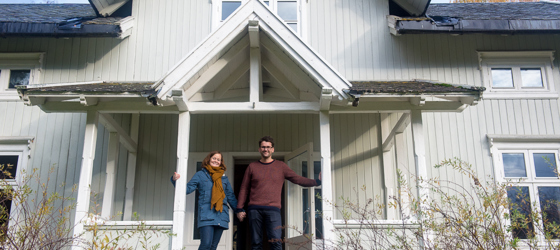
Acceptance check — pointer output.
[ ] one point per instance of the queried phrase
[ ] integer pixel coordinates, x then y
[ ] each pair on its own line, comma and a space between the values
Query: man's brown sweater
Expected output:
265, 180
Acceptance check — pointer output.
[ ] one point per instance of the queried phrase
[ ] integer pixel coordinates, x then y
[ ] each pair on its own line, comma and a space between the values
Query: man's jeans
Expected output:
273, 224
210, 237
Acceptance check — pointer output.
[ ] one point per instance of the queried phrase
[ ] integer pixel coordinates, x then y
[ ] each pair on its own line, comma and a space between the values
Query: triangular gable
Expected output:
278, 41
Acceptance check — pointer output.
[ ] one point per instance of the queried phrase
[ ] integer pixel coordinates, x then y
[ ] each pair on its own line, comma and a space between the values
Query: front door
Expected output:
300, 208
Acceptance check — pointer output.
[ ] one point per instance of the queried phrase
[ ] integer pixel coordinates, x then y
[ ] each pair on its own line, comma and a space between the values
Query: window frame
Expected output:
32, 61
528, 145
515, 60
21, 146
217, 13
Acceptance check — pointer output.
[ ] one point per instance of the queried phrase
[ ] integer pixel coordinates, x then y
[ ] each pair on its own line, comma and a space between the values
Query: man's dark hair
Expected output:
266, 138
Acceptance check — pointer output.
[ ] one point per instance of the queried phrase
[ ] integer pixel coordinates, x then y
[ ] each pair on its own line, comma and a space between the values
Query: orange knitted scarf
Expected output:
218, 193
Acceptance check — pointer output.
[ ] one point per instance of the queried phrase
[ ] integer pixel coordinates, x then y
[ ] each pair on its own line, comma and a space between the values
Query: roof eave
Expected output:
427, 26
21, 29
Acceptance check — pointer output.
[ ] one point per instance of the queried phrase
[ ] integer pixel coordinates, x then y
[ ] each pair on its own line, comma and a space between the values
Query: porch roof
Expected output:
409, 87
57, 20
76, 97
105, 87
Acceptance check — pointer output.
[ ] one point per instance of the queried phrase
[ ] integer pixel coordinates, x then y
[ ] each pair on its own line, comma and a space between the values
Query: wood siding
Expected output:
350, 35
356, 163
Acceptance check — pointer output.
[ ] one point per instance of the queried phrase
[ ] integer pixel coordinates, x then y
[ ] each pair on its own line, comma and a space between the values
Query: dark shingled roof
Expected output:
497, 11
55, 20
493, 18
409, 87
144, 88
44, 13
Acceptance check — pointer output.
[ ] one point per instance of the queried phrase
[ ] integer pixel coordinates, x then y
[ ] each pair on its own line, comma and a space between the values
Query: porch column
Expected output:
110, 183
326, 180
181, 185
131, 169
88, 155
419, 159
419, 151
388, 165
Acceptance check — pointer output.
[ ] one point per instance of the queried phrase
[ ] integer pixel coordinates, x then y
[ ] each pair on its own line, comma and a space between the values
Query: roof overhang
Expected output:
107, 7
394, 96
425, 25
112, 97
414, 7
98, 27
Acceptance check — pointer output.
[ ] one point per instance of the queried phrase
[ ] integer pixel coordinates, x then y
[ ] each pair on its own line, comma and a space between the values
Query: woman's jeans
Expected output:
210, 237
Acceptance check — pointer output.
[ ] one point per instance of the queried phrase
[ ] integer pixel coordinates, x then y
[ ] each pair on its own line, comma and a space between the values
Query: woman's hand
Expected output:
241, 216
176, 176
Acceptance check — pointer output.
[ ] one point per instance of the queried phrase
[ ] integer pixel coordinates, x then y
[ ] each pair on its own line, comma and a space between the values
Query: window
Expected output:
532, 164
229, 7
517, 74
18, 69
287, 10
14, 152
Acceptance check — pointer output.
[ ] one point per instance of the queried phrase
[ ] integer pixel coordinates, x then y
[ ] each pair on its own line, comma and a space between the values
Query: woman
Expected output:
214, 190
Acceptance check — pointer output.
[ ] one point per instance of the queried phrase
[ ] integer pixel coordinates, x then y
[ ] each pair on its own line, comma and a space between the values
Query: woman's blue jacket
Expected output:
202, 182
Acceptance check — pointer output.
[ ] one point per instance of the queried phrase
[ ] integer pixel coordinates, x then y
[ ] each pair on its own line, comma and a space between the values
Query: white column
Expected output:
419, 150
181, 185
389, 172
131, 169
110, 180
255, 75
326, 179
402, 163
88, 155
420, 159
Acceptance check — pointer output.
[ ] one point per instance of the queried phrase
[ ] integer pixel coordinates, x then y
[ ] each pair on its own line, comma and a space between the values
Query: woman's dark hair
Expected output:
266, 138
206, 161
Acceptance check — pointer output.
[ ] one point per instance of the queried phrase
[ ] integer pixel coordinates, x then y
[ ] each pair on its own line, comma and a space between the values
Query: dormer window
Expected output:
287, 10
229, 7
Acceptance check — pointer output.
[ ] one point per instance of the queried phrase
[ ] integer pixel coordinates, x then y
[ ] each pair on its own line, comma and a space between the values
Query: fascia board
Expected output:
204, 51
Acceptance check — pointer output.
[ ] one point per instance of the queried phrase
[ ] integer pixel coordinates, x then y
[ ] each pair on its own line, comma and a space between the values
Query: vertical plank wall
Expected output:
56, 150
57, 147
353, 36
354, 139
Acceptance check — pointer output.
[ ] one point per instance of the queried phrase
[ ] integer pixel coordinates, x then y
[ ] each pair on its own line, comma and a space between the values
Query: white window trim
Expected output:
17, 61
500, 144
516, 59
22, 147
301, 12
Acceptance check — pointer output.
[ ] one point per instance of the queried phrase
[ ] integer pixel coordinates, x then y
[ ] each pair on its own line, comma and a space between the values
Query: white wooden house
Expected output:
119, 94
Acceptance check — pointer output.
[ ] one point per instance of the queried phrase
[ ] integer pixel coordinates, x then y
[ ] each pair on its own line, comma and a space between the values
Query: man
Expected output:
263, 180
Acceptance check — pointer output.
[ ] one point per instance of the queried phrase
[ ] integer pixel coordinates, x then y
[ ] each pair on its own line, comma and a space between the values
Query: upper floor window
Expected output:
288, 10
18, 69
517, 74
531, 165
